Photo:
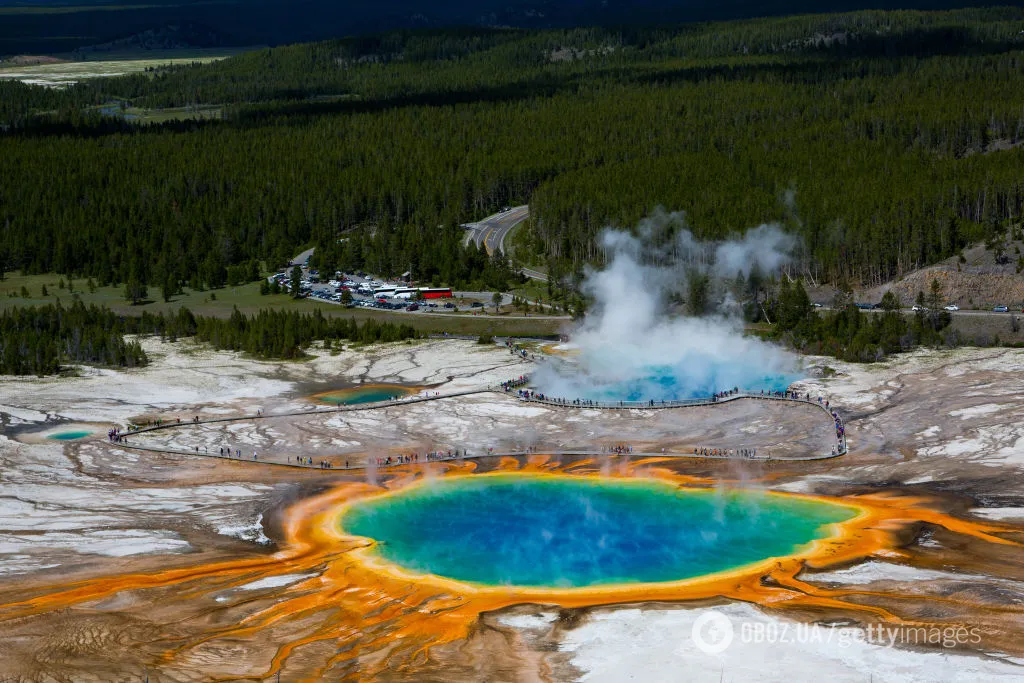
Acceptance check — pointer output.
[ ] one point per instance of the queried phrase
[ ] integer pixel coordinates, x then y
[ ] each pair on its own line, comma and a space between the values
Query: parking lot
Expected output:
360, 287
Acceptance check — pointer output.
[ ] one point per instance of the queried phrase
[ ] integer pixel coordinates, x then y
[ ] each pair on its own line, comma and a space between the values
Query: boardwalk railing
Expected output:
475, 456
498, 388
656, 405
316, 410
841, 448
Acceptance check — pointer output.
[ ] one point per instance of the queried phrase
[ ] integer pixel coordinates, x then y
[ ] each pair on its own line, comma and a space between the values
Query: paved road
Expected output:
491, 232
301, 258
972, 313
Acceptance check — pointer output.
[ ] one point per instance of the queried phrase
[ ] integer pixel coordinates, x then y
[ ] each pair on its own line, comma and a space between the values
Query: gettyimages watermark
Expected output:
713, 633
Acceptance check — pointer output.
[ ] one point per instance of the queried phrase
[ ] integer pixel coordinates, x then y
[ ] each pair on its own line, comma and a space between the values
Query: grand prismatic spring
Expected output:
574, 532
385, 615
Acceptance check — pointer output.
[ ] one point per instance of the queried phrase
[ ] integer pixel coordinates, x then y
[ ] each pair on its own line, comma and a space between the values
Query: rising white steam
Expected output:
636, 344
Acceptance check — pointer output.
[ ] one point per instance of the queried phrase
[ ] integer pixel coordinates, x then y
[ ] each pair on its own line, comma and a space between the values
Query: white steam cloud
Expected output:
634, 346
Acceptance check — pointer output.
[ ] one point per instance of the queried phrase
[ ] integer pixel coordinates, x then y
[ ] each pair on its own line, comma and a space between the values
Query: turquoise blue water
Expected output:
699, 379
573, 532
666, 384
69, 436
368, 394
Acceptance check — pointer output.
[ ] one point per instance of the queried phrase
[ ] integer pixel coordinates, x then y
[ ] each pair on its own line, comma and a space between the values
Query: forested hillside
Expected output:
47, 26
886, 140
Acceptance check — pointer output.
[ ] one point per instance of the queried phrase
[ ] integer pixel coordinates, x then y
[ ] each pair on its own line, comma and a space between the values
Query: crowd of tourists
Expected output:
529, 395
511, 384
308, 462
515, 349
115, 435
725, 452
787, 393
840, 433
588, 403
237, 453
413, 458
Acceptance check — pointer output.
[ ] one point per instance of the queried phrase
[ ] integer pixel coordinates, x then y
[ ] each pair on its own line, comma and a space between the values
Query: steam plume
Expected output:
634, 346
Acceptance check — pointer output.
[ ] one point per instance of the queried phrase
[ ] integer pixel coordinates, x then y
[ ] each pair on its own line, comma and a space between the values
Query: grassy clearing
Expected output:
198, 113
532, 290
141, 115
64, 74
127, 53
537, 292
247, 298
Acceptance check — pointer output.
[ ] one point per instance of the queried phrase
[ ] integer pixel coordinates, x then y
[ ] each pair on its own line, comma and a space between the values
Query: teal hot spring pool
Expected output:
567, 532
369, 393
70, 435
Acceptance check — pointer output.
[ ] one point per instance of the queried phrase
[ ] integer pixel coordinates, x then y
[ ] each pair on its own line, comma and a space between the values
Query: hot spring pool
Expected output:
665, 384
662, 383
69, 435
370, 393
564, 531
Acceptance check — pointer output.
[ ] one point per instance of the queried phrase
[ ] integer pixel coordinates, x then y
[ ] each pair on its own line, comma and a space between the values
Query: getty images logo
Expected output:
712, 632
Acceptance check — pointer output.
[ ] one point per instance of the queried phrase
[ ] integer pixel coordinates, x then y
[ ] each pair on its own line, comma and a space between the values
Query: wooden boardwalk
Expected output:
612, 405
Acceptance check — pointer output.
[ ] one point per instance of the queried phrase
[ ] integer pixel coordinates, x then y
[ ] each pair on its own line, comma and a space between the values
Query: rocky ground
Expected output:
942, 423
951, 420
66, 506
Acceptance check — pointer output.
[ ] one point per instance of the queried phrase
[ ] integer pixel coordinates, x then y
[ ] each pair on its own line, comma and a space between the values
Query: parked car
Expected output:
449, 304
412, 307
476, 304
952, 307
1001, 309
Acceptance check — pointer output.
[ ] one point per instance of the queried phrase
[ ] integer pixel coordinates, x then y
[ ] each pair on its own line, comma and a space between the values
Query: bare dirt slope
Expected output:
983, 279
